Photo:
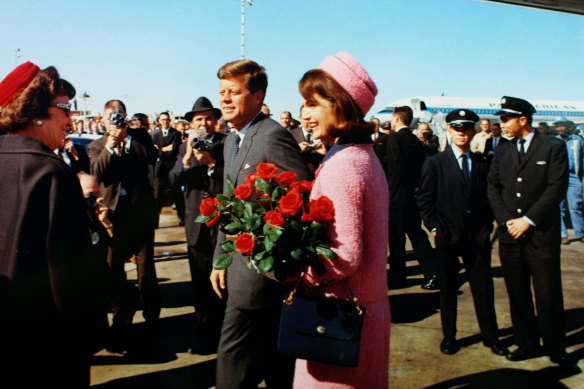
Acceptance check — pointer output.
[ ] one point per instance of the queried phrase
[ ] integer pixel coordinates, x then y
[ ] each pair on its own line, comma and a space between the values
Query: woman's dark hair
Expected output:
34, 101
349, 117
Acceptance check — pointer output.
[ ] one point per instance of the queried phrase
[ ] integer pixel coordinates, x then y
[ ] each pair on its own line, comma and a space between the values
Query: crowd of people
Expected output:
73, 219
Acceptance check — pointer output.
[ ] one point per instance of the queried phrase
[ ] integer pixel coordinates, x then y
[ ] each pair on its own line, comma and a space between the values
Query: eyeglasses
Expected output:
66, 107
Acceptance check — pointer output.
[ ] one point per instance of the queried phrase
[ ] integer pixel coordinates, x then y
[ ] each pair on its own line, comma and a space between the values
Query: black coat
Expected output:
533, 188
52, 290
488, 152
457, 211
166, 159
403, 165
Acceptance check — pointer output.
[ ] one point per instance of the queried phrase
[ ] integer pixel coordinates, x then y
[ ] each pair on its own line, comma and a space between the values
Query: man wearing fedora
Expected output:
528, 179
199, 171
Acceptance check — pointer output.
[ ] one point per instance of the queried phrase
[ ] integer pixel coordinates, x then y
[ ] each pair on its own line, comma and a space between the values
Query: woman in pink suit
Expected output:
337, 95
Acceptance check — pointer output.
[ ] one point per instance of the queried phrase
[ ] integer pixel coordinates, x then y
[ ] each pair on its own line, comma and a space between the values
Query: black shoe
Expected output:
565, 363
497, 347
449, 347
522, 354
431, 283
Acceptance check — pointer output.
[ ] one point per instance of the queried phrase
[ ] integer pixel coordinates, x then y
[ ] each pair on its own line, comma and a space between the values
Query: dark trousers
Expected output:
134, 236
209, 309
477, 266
407, 221
247, 350
523, 263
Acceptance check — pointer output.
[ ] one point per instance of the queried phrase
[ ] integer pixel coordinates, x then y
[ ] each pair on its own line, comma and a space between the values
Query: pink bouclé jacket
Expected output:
354, 180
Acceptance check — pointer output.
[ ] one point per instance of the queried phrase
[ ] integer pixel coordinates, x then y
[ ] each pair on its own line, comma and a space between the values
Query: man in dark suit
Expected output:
404, 159
452, 198
527, 181
121, 160
493, 142
247, 349
199, 171
167, 141
74, 155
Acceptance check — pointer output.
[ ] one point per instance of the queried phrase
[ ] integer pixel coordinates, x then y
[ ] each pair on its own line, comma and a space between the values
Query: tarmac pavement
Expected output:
416, 361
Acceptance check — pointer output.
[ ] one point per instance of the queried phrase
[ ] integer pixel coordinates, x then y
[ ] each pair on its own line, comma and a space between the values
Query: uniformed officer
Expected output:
527, 180
452, 198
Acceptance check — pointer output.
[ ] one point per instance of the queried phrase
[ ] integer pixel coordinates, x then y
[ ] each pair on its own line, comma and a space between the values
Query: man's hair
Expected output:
34, 101
255, 75
405, 114
486, 120
111, 104
163, 113
287, 113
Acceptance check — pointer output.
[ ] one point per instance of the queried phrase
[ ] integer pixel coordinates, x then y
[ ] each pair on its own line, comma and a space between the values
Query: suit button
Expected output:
519, 179
518, 194
519, 210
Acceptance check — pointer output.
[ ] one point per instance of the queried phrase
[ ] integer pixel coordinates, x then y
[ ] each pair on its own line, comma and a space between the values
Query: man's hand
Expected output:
204, 157
218, 281
517, 227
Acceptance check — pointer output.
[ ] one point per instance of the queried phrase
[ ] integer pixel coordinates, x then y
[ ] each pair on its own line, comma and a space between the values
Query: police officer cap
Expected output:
513, 106
462, 118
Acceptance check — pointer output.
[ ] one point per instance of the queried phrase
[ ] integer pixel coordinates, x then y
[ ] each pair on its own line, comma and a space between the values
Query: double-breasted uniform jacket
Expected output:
198, 183
531, 188
456, 210
166, 159
265, 141
52, 289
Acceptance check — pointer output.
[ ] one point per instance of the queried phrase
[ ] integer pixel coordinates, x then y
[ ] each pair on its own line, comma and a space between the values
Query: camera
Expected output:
201, 144
117, 120
91, 203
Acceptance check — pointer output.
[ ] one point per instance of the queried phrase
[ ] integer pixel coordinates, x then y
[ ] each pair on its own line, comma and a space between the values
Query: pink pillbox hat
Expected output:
353, 77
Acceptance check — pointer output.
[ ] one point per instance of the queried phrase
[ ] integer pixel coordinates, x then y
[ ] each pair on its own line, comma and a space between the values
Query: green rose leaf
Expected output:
222, 261
326, 252
268, 244
274, 234
296, 254
228, 246
262, 185
234, 227
203, 219
266, 264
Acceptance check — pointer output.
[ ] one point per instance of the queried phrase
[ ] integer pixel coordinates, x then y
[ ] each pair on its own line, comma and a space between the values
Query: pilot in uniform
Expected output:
527, 181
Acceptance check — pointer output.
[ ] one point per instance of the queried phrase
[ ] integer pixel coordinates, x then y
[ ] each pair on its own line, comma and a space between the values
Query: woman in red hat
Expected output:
51, 300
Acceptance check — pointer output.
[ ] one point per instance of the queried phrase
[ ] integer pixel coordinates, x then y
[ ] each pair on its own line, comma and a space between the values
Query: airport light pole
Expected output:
250, 2
85, 96
16, 55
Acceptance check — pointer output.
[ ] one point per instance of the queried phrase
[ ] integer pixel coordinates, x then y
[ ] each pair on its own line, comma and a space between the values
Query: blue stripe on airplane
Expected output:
487, 111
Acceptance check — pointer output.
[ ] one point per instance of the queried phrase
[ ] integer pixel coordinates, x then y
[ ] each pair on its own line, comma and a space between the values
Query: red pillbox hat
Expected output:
16, 81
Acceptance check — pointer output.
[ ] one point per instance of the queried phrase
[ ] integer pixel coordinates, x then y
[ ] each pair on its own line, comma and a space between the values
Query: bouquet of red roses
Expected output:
270, 219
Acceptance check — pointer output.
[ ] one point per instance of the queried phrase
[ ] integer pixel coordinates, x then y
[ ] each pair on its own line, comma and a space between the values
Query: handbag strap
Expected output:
290, 299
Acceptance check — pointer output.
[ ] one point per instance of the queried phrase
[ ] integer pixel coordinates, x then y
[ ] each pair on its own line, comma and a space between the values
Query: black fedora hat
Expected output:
202, 104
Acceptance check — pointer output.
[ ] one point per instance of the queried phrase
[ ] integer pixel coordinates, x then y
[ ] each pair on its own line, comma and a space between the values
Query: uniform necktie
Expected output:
235, 149
521, 149
308, 137
465, 170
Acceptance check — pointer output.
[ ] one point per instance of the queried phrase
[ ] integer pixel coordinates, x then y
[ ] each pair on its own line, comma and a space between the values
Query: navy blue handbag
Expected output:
321, 329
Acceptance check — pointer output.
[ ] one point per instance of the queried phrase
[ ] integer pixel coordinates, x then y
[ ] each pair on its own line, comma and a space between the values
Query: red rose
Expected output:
245, 243
207, 206
214, 221
251, 179
275, 219
286, 178
266, 171
320, 210
243, 191
291, 202
302, 186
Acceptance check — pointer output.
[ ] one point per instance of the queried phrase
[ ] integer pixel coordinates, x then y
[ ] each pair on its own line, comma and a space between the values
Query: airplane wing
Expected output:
568, 6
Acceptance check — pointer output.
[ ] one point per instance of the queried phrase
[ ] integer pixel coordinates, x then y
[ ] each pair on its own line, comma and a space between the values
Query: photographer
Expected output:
199, 170
121, 161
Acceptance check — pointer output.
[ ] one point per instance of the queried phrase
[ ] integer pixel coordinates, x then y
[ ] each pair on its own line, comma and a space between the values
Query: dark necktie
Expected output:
308, 137
235, 149
521, 149
465, 171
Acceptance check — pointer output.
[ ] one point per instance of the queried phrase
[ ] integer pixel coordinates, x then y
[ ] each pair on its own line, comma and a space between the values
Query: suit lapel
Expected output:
244, 147
530, 151
455, 167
